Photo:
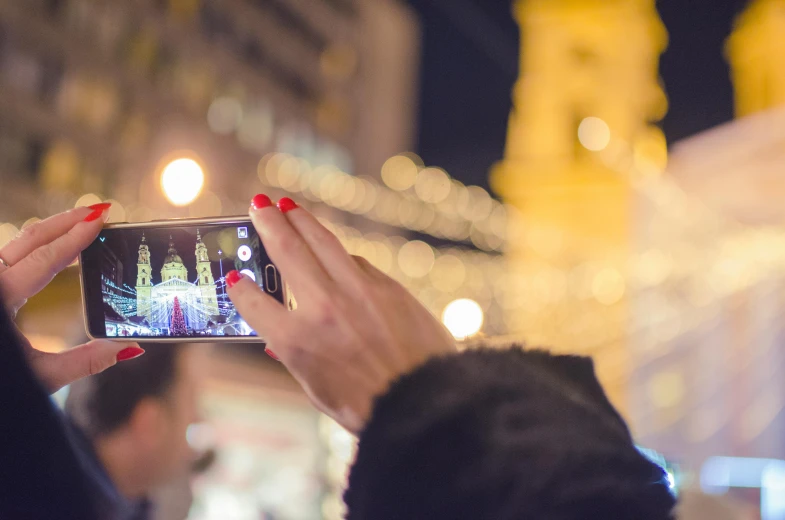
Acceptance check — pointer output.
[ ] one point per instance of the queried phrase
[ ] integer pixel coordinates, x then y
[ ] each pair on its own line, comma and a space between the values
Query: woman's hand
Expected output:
355, 330
30, 262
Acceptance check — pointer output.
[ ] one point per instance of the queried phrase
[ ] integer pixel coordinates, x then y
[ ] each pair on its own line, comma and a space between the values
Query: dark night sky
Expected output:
470, 50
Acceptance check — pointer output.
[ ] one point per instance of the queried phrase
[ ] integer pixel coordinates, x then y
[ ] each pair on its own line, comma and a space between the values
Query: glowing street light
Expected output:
182, 181
463, 318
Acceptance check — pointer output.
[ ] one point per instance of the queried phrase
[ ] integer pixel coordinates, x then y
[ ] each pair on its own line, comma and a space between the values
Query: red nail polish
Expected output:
261, 201
271, 354
232, 277
286, 204
129, 353
102, 206
95, 215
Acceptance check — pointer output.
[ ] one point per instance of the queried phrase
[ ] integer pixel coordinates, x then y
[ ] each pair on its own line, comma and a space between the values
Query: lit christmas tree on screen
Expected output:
178, 320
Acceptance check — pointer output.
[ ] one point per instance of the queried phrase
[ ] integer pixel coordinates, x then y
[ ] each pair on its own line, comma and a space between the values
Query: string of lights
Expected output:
425, 200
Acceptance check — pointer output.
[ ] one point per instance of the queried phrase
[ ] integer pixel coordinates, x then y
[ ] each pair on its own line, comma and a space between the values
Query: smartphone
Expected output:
165, 280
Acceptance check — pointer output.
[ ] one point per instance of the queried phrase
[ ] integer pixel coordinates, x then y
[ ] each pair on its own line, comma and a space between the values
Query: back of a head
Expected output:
105, 402
503, 435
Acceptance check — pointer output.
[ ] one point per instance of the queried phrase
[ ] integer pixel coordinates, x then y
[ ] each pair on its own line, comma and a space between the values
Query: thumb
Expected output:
61, 369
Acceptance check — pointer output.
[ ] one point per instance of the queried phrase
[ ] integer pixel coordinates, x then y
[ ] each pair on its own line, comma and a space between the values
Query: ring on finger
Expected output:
4, 263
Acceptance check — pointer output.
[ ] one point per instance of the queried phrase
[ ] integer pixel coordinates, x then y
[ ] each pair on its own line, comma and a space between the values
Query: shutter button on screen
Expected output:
271, 278
244, 253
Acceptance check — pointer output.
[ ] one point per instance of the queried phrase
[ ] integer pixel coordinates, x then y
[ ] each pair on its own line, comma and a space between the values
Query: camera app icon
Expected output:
242, 232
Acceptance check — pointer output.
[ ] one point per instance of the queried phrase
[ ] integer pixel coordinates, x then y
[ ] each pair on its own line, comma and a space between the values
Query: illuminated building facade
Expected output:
199, 299
589, 84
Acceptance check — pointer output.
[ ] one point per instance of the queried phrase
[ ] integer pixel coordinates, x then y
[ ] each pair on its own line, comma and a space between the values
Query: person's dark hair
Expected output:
105, 402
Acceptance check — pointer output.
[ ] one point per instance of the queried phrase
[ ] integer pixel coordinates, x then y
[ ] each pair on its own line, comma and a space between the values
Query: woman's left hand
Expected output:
29, 263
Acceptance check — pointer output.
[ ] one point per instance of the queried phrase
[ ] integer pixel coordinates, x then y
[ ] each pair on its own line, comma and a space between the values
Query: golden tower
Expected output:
205, 281
755, 52
144, 281
583, 107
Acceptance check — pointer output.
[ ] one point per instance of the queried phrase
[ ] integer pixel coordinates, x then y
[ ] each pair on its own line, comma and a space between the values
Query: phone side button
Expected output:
271, 278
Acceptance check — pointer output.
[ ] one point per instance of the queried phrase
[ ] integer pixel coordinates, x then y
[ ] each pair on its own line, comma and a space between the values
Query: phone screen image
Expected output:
169, 281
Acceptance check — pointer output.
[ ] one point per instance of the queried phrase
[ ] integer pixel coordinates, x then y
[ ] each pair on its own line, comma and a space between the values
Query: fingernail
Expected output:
232, 277
286, 204
129, 353
98, 210
271, 354
95, 215
261, 201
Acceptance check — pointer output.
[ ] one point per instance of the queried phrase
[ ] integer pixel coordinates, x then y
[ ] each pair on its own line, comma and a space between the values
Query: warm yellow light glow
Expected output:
7, 233
182, 181
594, 134
608, 286
87, 199
463, 318
433, 185
30, 222
400, 172
416, 259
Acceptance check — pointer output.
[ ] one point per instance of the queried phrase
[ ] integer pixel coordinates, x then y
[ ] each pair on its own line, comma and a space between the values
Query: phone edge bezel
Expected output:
185, 222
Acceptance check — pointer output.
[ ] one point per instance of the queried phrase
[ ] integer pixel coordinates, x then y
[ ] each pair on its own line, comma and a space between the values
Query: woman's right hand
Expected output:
355, 330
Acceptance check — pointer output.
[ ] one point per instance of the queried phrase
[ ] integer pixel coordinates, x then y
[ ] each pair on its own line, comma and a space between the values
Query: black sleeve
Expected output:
40, 476
504, 434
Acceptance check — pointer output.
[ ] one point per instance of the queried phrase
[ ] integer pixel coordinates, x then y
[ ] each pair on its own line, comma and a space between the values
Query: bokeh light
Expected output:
224, 115
433, 185
608, 286
400, 172
463, 318
594, 134
416, 259
182, 181
7, 233
87, 199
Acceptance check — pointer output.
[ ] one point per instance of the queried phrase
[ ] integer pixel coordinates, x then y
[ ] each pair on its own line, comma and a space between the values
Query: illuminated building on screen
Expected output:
155, 302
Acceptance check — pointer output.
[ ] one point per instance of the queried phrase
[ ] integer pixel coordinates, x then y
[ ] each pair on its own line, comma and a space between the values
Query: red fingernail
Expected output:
271, 354
102, 206
286, 204
261, 201
232, 277
129, 353
95, 215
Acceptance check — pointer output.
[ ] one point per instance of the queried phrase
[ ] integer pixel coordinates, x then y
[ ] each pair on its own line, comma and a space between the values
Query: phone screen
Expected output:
168, 281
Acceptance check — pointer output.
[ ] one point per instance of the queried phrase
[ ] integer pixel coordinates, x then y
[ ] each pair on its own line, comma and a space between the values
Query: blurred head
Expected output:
137, 414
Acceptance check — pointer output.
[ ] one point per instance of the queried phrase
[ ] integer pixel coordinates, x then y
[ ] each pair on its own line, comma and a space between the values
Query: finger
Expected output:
266, 315
59, 370
41, 233
36, 270
324, 244
370, 269
291, 254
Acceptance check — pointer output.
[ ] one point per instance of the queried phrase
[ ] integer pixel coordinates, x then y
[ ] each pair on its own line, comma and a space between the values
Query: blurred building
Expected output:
666, 269
96, 93
588, 69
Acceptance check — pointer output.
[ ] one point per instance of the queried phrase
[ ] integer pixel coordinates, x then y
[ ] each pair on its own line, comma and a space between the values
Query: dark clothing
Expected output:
110, 504
48, 468
487, 434
502, 435
40, 475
